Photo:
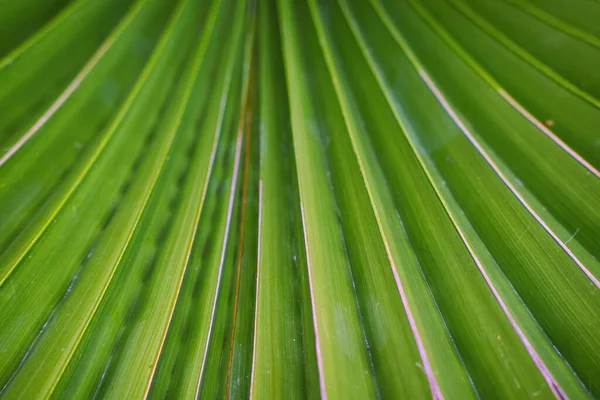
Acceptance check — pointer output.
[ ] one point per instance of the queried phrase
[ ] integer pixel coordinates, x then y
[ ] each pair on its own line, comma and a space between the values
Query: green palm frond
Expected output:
299, 199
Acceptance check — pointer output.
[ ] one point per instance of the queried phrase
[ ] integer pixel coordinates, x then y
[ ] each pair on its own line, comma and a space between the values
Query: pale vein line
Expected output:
292, 89
57, 103
523, 234
434, 386
417, 65
316, 18
245, 123
197, 62
519, 51
232, 189
260, 206
238, 152
552, 382
187, 257
555, 22
312, 300
70, 89
41, 34
548, 133
572, 236
138, 217
232, 193
555, 387
441, 31
498, 171
97, 151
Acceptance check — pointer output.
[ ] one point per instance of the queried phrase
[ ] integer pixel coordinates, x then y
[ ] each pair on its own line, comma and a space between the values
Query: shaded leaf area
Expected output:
285, 199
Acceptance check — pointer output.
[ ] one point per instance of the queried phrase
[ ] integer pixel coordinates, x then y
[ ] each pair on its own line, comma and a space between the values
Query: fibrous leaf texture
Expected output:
281, 199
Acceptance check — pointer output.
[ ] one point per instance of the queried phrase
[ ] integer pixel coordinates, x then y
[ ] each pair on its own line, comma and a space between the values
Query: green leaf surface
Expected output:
278, 199
42, 73
21, 19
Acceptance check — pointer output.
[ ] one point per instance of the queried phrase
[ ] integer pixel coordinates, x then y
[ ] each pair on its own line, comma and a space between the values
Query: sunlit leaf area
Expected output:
299, 199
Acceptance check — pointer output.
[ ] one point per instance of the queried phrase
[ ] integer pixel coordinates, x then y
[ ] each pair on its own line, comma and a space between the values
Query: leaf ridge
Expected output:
515, 48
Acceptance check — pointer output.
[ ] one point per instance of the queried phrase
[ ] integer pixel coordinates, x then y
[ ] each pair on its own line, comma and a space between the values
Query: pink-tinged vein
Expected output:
489, 160
435, 388
548, 132
290, 70
433, 384
554, 385
552, 382
211, 161
191, 241
236, 168
187, 259
314, 308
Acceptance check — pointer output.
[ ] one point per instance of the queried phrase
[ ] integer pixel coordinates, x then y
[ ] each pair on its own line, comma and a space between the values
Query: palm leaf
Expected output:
281, 199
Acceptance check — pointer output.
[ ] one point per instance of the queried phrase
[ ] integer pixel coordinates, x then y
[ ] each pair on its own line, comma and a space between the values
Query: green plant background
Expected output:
300, 199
